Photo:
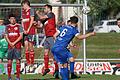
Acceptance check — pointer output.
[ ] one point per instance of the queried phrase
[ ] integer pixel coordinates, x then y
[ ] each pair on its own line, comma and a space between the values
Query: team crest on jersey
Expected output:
16, 28
9, 29
27, 13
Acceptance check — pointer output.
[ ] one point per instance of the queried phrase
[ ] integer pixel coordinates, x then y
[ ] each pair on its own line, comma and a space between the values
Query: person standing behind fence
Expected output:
13, 36
29, 30
118, 22
50, 30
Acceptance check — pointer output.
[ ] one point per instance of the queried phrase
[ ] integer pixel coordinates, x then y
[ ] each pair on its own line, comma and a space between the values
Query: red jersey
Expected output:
26, 15
50, 25
13, 32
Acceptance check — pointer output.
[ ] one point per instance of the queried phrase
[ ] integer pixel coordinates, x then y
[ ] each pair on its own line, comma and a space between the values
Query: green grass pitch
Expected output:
50, 77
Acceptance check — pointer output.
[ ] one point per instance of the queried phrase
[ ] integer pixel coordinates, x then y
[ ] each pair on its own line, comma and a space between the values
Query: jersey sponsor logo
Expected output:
25, 20
46, 23
13, 34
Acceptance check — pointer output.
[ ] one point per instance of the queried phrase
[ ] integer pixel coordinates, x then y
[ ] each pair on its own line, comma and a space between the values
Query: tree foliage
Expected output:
104, 8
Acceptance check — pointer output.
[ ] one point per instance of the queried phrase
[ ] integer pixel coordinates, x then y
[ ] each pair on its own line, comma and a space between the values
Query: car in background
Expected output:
106, 26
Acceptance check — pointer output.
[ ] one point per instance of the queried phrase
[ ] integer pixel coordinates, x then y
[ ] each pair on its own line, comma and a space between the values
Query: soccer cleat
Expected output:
9, 78
74, 76
4, 73
56, 74
46, 71
17, 79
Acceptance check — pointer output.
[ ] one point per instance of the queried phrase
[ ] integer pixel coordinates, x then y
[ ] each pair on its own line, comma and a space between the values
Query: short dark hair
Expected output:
49, 6
68, 21
74, 19
11, 15
25, 2
118, 19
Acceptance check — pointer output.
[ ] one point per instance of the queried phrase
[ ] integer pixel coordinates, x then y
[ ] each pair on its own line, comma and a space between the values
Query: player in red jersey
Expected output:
13, 36
29, 30
50, 30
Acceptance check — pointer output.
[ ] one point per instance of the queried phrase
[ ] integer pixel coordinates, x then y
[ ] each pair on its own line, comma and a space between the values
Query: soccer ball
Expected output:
86, 9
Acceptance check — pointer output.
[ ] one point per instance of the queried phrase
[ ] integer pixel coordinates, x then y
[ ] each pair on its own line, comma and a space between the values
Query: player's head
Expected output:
74, 20
68, 22
12, 19
25, 4
47, 8
118, 22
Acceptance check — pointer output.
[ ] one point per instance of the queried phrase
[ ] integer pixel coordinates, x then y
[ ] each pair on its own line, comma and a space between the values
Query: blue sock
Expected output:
64, 73
72, 67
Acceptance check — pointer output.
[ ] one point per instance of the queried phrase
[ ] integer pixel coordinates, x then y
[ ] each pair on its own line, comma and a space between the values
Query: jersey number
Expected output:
63, 33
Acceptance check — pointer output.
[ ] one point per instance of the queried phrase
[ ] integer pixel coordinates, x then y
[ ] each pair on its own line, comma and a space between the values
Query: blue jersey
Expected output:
67, 33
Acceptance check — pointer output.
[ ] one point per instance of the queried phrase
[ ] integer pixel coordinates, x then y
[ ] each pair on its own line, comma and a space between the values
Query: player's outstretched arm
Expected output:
42, 17
85, 36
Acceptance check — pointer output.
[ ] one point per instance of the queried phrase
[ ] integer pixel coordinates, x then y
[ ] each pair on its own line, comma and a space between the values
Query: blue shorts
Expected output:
61, 55
14, 54
49, 42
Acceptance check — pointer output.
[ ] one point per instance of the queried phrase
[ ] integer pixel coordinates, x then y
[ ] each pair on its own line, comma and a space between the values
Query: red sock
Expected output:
9, 68
46, 60
27, 57
32, 56
56, 65
18, 69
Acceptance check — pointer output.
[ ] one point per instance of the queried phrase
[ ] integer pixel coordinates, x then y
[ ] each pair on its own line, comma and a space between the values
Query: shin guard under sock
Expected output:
56, 66
18, 69
9, 68
27, 57
72, 67
32, 56
46, 61
64, 73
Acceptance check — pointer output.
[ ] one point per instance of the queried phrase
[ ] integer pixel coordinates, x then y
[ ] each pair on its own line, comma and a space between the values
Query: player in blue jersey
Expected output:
60, 51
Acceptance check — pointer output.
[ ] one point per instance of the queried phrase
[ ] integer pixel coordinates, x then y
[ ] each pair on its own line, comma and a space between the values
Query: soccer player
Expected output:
2, 32
13, 36
60, 51
29, 31
50, 30
71, 59
3, 45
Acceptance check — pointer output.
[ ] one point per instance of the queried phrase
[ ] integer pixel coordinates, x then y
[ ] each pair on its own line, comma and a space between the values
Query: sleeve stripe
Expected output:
77, 34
